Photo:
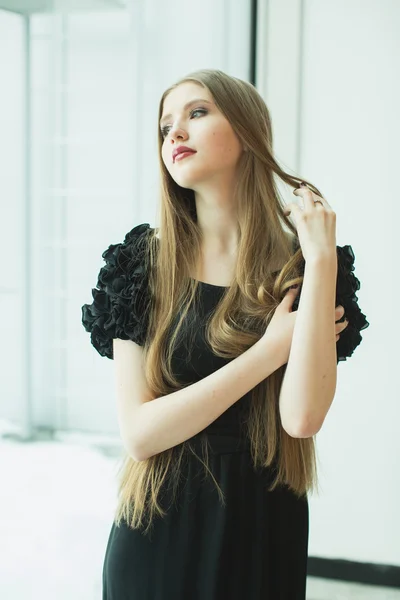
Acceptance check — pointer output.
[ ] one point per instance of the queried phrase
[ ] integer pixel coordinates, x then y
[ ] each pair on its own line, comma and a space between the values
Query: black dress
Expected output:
254, 547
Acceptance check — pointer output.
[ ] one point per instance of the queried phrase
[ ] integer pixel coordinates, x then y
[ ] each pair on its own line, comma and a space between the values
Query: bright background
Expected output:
80, 86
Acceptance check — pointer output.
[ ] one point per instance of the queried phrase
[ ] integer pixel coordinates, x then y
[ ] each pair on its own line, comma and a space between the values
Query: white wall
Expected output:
12, 187
335, 64
96, 80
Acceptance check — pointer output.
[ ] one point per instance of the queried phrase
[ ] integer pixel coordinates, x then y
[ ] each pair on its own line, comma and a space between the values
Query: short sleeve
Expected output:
347, 284
121, 298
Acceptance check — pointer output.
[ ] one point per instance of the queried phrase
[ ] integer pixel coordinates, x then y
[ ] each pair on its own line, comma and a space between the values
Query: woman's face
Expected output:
203, 128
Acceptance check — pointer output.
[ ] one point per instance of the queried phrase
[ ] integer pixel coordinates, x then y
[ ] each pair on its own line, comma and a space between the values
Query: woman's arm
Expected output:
309, 383
170, 420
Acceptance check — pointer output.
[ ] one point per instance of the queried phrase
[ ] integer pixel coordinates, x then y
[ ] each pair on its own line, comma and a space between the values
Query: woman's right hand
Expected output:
280, 329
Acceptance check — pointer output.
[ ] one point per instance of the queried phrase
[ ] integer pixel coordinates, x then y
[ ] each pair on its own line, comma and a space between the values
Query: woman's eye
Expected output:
199, 110
164, 130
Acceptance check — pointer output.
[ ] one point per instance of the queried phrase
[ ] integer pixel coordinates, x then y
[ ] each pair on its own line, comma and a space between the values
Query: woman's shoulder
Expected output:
125, 256
121, 297
136, 237
132, 249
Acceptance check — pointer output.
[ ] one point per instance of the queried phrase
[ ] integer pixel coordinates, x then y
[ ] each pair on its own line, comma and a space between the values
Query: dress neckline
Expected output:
212, 285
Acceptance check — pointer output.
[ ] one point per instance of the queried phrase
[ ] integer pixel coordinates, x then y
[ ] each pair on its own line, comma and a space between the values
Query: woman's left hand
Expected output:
315, 224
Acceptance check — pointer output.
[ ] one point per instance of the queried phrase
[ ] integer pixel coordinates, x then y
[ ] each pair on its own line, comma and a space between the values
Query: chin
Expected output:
186, 187
187, 182
191, 180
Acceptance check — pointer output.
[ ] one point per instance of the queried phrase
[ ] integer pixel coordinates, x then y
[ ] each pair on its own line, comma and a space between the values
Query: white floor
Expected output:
56, 506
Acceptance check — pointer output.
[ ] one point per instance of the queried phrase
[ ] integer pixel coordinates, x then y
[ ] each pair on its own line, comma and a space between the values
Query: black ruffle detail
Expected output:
347, 285
120, 307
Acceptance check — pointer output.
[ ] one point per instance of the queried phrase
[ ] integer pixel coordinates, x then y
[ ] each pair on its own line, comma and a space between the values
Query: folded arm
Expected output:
309, 383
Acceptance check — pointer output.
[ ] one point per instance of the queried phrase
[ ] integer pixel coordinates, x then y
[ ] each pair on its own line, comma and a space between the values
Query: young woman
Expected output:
224, 370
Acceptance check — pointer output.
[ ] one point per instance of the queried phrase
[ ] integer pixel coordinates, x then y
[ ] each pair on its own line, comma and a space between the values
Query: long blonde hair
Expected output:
242, 314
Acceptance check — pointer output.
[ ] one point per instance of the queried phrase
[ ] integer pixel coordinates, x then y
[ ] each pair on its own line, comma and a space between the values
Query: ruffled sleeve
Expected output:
347, 285
121, 298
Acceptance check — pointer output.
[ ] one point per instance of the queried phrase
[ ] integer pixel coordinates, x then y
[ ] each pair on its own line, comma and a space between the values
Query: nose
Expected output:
177, 133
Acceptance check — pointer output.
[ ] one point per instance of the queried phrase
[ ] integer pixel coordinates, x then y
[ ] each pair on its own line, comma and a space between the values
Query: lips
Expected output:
181, 150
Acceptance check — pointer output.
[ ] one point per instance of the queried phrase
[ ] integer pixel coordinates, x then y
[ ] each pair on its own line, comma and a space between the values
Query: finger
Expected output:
309, 198
341, 319
339, 327
289, 297
293, 210
292, 291
339, 312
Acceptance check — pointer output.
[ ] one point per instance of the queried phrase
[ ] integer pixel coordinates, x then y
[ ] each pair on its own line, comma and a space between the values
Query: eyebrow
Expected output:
165, 117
